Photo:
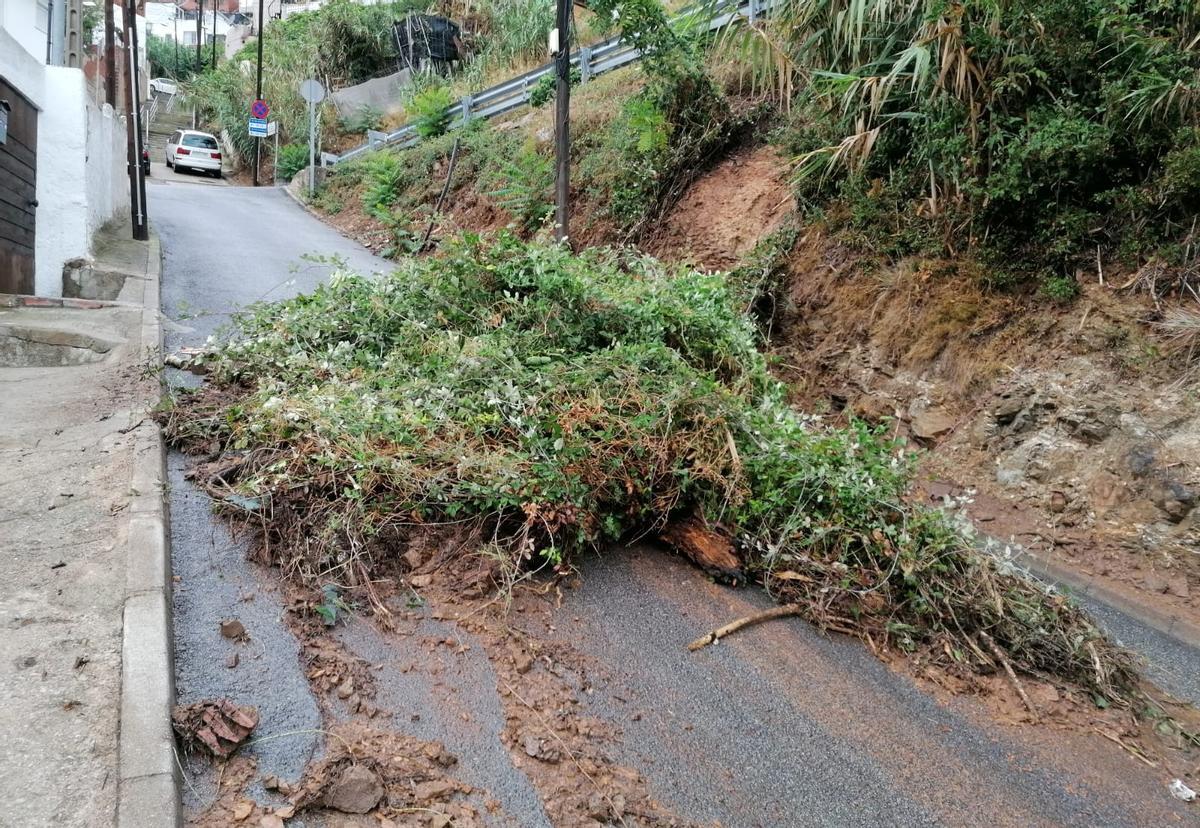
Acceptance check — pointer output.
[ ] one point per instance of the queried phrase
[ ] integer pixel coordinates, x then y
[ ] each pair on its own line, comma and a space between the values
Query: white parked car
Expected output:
164, 86
189, 149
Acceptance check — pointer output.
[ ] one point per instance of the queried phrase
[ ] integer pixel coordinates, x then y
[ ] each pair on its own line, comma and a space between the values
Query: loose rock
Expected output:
1179, 587
217, 725
932, 423
1154, 583
434, 789
356, 791
232, 628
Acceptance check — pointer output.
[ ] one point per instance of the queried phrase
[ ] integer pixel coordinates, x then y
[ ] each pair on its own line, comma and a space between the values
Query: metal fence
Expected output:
590, 61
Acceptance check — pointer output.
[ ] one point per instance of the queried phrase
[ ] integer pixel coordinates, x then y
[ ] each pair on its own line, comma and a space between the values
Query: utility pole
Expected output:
110, 55
258, 90
133, 122
200, 36
562, 116
214, 34
175, 73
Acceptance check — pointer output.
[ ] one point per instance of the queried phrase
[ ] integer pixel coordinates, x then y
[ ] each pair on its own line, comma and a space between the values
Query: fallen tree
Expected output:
560, 401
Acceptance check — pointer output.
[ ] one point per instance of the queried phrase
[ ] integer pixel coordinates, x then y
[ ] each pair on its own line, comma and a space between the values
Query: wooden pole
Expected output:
258, 91
562, 116
110, 55
200, 36
133, 138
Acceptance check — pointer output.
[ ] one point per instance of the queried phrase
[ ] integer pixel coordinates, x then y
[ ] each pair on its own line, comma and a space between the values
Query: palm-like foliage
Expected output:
984, 102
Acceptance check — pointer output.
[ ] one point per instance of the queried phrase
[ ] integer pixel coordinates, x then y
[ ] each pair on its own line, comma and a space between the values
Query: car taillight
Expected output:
182, 151
217, 156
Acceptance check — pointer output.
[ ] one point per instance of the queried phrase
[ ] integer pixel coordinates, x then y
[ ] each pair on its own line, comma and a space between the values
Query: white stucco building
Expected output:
73, 177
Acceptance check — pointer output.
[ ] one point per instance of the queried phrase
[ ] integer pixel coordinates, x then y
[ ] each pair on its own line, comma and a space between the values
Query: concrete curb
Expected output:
1172, 626
148, 786
308, 208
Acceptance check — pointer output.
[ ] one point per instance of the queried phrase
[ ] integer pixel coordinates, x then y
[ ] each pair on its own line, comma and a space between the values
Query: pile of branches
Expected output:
558, 402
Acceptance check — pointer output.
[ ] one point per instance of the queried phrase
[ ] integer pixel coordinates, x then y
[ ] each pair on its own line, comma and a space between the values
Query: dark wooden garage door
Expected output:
18, 192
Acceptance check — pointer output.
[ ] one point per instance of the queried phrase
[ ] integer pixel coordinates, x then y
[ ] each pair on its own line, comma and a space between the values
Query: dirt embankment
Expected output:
1059, 429
1062, 430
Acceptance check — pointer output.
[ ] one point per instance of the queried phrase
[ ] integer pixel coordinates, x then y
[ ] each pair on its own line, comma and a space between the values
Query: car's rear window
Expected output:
201, 141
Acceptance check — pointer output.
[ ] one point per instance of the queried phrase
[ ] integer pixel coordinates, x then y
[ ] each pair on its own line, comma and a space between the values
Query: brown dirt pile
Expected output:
725, 212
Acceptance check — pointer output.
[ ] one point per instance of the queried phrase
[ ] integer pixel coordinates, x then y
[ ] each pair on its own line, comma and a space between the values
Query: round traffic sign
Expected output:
312, 91
260, 109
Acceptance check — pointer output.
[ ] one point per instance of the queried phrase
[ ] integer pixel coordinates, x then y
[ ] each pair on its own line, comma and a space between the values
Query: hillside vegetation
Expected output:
1040, 134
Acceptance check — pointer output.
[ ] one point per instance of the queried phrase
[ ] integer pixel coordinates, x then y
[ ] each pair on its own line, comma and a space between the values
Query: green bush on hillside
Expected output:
343, 42
428, 110
1035, 131
291, 160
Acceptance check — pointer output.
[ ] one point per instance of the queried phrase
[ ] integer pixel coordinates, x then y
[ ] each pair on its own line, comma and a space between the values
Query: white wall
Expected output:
106, 167
62, 213
81, 176
82, 180
26, 21
19, 66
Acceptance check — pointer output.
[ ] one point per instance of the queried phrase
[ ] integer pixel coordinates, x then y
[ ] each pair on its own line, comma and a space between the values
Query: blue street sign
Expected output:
258, 128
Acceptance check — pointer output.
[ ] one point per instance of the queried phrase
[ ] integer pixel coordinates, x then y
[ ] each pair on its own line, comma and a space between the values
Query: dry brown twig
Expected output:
782, 611
1012, 675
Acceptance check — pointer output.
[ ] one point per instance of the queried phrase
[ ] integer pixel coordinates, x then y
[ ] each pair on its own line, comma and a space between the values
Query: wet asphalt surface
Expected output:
777, 725
781, 725
224, 248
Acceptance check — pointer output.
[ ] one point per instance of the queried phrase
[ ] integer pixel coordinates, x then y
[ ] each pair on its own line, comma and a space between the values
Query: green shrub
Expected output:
523, 185
292, 159
543, 91
1059, 288
429, 110
1038, 128
366, 117
382, 173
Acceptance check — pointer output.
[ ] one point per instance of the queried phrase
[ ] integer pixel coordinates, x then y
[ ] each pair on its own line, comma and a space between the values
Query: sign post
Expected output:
314, 93
258, 119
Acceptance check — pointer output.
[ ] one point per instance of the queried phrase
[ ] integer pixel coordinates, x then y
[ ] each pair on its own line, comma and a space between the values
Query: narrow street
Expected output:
779, 725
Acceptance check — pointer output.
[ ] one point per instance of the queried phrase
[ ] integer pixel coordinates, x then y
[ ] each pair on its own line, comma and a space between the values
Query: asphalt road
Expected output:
778, 725
225, 248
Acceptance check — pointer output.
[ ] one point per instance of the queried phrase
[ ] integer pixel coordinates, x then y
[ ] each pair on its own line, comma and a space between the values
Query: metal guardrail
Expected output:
148, 118
590, 60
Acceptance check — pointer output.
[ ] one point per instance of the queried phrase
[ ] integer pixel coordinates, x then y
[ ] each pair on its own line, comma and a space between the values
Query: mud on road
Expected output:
578, 703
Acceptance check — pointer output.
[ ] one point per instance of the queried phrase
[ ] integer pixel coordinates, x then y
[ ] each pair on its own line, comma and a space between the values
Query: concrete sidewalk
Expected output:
84, 681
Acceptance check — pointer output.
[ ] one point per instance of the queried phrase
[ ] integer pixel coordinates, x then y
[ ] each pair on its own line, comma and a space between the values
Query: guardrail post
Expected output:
466, 109
375, 137
752, 13
585, 64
